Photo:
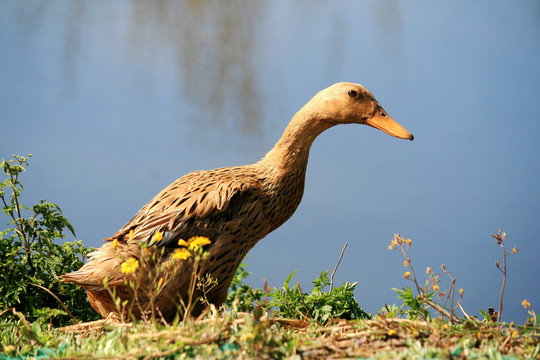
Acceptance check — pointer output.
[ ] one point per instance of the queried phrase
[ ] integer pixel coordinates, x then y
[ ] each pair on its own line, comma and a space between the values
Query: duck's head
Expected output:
348, 103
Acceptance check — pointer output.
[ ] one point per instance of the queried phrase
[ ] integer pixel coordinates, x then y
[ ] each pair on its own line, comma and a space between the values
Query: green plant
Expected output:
417, 305
241, 295
32, 261
318, 305
412, 305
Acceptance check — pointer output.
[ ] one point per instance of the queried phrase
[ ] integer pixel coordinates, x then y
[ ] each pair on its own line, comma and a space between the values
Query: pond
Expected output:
115, 100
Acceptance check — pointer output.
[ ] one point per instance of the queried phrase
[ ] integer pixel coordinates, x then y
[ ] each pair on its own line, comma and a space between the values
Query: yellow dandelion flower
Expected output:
181, 253
197, 241
407, 274
415, 333
183, 243
461, 291
409, 242
131, 235
406, 263
435, 287
514, 333
160, 282
526, 304
393, 244
129, 266
114, 243
157, 237
391, 332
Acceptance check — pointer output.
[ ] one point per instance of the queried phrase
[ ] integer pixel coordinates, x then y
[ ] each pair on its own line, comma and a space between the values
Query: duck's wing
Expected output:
187, 206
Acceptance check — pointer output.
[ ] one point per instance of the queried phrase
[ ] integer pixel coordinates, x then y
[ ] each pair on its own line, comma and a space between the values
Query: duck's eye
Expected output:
383, 114
352, 93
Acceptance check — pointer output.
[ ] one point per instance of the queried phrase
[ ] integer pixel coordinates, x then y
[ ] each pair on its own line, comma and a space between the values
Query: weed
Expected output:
413, 306
148, 274
532, 320
241, 295
32, 261
500, 237
318, 305
416, 306
291, 302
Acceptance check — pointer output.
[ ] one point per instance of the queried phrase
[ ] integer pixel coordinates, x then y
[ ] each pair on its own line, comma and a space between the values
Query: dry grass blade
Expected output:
242, 335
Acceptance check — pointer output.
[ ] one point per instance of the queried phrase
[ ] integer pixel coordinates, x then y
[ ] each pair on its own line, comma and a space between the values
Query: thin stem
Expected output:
439, 309
302, 299
335, 268
452, 289
191, 291
18, 224
420, 292
503, 283
463, 311
451, 293
412, 270
58, 299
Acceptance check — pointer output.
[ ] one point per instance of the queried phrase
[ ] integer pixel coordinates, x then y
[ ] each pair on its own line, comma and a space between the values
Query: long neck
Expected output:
291, 152
284, 167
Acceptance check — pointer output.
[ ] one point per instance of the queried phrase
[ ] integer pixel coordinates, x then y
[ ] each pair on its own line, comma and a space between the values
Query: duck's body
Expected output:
234, 207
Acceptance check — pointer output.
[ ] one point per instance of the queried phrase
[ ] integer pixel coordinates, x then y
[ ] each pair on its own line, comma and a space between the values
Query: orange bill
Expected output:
388, 125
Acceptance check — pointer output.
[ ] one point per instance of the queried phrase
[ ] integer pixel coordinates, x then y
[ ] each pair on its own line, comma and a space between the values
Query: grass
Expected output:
242, 335
278, 323
271, 332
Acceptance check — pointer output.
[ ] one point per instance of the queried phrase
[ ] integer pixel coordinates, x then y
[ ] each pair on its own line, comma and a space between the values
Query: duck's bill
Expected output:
389, 126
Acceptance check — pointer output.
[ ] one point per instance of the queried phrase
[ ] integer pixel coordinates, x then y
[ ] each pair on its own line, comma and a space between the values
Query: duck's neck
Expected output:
291, 152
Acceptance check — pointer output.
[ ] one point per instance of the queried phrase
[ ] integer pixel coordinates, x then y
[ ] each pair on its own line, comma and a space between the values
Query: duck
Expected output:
141, 268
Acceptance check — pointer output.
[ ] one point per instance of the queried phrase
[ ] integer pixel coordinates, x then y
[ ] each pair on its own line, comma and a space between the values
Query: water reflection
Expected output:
72, 49
214, 46
388, 17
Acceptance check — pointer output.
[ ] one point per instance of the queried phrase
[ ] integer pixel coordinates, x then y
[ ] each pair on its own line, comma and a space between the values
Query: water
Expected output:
116, 100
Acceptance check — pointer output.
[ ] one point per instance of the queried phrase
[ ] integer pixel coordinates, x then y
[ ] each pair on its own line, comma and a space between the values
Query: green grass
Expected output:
242, 335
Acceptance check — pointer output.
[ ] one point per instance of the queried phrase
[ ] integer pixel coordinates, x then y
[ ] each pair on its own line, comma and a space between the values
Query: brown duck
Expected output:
234, 207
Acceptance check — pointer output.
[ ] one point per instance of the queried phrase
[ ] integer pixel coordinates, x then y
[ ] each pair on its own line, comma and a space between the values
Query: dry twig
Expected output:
335, 268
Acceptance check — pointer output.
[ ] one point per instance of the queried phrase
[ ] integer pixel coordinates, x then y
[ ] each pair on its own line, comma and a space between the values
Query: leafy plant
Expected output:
32, 261
412, 305
318, 305
417, 305
241, 295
